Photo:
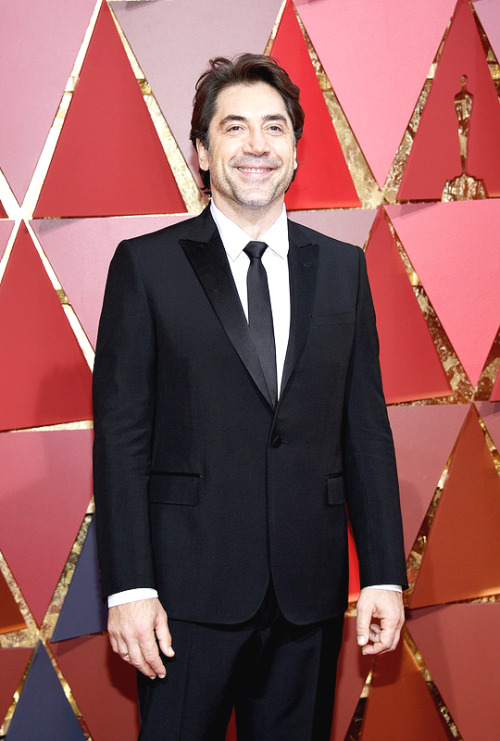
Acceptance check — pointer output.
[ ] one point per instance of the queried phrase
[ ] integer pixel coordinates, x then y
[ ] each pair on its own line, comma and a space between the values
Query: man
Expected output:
238, 407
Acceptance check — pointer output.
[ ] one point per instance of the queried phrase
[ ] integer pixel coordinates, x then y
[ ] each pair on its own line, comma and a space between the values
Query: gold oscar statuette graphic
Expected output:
464, 187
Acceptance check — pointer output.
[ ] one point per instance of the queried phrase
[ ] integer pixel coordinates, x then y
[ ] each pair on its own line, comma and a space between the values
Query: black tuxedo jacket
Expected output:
203, 489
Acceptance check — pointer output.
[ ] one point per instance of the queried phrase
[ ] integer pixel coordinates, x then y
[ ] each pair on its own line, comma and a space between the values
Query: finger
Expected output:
363, 618
114, 644
139, 661
397, 635
386, 640
164, 637
119, 647
151, 656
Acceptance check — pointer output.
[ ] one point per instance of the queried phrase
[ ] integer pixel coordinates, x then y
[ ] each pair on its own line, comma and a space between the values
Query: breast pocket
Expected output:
174, 488
343, 317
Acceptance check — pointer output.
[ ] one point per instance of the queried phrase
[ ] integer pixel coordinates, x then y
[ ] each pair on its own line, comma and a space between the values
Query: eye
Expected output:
275, 129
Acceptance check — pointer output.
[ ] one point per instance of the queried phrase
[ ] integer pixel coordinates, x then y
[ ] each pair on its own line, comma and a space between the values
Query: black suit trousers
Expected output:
279, 677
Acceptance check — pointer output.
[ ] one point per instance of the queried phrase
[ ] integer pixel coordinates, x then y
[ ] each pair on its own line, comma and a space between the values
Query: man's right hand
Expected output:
133, 631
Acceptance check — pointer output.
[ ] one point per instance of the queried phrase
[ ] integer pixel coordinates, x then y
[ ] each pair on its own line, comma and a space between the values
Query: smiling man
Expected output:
250, 155
238, 410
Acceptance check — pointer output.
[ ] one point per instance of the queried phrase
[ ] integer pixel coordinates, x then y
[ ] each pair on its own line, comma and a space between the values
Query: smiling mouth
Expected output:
255, 170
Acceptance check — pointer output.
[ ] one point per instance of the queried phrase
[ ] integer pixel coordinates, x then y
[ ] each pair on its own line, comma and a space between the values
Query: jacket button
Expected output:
276, 442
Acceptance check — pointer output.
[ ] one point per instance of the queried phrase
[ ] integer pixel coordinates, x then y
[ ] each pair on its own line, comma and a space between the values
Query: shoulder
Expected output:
154, 250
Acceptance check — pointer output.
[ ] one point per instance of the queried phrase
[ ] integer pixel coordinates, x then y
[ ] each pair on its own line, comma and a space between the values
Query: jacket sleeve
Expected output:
369, 464
124, 398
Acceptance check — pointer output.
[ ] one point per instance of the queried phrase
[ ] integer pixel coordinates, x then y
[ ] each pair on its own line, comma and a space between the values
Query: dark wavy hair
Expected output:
245, 69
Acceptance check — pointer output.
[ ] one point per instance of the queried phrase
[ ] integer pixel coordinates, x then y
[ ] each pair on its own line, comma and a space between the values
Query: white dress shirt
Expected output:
275, 261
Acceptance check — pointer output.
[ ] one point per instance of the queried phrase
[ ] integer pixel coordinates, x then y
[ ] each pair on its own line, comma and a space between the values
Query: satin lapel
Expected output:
303, 265
209, 261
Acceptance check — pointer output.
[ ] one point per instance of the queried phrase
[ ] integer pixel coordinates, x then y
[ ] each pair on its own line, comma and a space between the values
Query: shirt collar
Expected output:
235, 239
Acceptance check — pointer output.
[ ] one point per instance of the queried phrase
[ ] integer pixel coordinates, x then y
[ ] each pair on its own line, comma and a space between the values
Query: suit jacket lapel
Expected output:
209, 261
303, 264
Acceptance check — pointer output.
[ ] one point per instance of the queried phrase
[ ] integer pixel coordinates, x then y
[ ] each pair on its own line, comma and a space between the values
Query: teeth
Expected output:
254, 169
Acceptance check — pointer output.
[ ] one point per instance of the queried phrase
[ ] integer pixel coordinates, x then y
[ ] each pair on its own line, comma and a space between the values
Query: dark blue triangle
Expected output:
83, 611
43, 713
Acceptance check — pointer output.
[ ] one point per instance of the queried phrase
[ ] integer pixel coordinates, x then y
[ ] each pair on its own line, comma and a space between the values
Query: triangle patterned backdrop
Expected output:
401, 156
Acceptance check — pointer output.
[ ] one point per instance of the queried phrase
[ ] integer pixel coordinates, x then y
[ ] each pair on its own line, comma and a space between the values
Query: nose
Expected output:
256, 142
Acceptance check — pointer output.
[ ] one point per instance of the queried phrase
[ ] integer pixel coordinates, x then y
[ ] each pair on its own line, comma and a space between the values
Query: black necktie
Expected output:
260, 318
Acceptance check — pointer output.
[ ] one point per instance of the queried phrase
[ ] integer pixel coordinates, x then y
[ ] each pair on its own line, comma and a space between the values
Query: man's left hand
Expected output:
387, 608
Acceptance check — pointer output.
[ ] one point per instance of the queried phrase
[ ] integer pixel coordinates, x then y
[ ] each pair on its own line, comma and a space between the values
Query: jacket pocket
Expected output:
335, 492
343, 317
174, 488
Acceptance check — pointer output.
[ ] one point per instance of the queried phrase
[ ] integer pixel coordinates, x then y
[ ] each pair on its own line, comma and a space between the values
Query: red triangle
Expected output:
323, 179
231, 729
352, 671
435, 154
44, 378
462, 557
400, 705
13, 662
10, 615
423, 438
3, 213
453, 248
46, 489
411, 368
108, 160
459, 646
108, 701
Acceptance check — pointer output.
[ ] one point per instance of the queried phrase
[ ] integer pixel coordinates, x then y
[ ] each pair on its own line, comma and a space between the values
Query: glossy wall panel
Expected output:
399, 156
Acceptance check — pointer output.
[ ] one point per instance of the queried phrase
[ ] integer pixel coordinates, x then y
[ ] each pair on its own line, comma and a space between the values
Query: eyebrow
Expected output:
265, 119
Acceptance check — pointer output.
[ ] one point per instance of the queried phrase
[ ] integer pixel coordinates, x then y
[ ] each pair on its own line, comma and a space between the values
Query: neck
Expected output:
254, 221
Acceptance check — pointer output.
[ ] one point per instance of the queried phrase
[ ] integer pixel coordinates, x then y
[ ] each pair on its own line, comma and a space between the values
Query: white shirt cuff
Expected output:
389, 587
131, 595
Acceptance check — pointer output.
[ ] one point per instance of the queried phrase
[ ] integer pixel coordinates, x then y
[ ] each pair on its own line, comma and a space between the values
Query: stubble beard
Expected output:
253, 198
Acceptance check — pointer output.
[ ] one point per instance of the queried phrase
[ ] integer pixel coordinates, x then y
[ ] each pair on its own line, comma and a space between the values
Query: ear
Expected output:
203, 155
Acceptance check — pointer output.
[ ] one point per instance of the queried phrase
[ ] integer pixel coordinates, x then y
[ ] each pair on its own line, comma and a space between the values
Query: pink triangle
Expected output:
158, 33
411, 368
40, 42
488, 12
459, 647
46, 488
423, 437
80, 251
490, 414
377, 56
349, 225
454, 250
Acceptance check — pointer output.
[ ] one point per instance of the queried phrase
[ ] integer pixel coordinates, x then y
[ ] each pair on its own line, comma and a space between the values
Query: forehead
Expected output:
249, 101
